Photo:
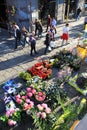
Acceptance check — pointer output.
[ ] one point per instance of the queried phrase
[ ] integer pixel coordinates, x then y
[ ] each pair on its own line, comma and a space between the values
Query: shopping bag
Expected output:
52, 44
49, 48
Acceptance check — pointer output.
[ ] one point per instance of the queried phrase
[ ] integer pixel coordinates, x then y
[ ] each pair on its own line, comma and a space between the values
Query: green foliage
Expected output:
55, 95
4, 118
25, 75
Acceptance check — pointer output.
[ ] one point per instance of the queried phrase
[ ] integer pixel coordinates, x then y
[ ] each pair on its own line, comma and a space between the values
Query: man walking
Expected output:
33, 43
17, 35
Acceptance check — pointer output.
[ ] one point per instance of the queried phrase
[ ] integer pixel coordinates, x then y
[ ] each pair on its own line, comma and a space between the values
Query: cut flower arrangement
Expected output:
41, 69
66, 57
64, 74
42, 104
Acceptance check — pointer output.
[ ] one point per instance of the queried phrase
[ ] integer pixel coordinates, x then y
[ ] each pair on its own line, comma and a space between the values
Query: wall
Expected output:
22, 15
60, 10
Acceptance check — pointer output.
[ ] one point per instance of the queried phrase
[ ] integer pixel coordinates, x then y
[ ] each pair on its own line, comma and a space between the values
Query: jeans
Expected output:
17, 39
33, 47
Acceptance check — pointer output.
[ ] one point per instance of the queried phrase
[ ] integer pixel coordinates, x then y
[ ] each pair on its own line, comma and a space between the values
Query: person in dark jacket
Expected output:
17, 34
78, 13
47, 41
32, 41
49, 21
40, 28
36, 26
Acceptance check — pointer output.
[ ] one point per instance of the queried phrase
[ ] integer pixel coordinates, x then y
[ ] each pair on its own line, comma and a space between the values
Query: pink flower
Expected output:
27, 100
18, 96
31, 104
44, 105
30, 94
40, 93
12, 110
33, 91
25, 105
23, 97
40, 98
43, 115
28, 89
38, 114
8, 113
11, 122
19, 101
48, 110
40, 108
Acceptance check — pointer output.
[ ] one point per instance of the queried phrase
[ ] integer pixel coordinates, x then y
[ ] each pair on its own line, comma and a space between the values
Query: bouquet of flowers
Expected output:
41, 69
64, 74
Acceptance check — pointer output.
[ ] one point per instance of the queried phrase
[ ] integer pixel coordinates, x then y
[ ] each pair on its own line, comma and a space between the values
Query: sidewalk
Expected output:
13, 62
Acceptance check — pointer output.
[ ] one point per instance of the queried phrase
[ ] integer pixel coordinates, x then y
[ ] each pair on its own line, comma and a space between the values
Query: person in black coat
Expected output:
40, 29
78, 13
36, 26
47, 41
17, 35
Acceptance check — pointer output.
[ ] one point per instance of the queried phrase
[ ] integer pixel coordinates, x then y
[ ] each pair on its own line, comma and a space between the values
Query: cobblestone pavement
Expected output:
12, 62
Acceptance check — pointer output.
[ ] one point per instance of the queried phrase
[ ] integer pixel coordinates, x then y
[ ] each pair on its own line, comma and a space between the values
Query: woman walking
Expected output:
65, 35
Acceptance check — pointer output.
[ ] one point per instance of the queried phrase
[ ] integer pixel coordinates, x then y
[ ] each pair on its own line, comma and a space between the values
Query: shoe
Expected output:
15, 48
31, 54
36, 52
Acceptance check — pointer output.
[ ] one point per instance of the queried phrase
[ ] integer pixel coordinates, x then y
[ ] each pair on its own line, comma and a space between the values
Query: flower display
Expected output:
41, 69
40, 96
67, 57
12, 116
44, 110
25, 101
64, 73
48, 105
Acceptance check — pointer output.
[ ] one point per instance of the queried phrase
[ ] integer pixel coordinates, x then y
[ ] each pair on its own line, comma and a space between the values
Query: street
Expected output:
12, 62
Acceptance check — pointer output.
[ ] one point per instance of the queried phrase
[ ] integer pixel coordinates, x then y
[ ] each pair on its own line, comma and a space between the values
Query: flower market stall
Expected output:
46, 103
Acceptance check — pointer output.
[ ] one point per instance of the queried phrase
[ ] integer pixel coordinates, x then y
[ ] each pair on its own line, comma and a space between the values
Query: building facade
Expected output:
24, 11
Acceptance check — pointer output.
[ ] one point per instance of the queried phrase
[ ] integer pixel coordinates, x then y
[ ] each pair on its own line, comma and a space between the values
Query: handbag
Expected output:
49, 48
52, 44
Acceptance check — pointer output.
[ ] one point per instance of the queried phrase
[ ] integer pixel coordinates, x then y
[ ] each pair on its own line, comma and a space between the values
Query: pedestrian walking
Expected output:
36, 26
53, 24
52, 34
78, 13
65, 35
24, 36
40, 28
47, 41
49, 21
32, 41
17, 34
